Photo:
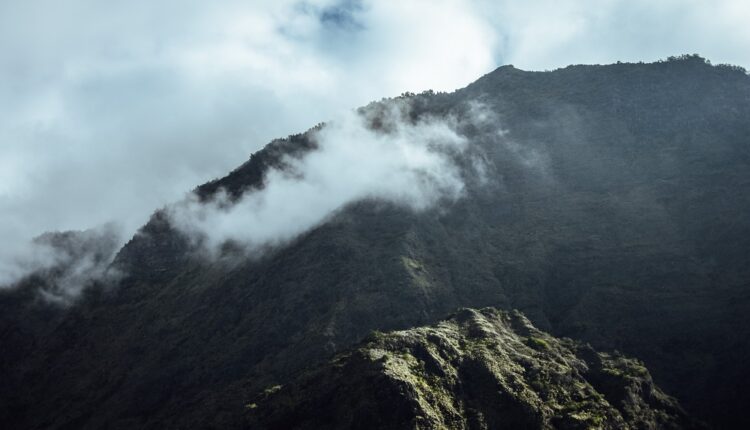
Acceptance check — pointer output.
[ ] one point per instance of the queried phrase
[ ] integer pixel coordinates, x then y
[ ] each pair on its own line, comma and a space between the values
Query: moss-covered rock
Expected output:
479, 369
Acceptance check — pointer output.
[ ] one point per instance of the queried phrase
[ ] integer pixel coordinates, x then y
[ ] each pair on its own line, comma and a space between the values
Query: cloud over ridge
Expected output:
404, 162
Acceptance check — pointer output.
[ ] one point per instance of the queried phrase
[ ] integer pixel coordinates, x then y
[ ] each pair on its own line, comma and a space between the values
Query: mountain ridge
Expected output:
627, 231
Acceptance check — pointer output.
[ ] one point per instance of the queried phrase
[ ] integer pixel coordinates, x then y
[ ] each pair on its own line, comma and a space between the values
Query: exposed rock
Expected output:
479, 369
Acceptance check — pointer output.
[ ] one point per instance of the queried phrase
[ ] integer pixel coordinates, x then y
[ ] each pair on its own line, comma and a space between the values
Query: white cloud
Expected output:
66, 263
547, 34
409, 164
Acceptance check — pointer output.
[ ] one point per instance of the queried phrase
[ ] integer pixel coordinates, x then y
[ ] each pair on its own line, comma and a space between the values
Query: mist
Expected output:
407, 163
60, 265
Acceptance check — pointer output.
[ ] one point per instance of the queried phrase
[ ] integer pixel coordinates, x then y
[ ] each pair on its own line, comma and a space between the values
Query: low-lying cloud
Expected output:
61, 265
407, 163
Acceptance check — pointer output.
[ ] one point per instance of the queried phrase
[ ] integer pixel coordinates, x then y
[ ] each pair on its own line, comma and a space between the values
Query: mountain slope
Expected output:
478, 369
615, 213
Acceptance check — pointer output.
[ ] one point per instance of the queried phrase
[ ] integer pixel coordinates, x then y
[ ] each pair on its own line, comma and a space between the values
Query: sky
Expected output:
110, 110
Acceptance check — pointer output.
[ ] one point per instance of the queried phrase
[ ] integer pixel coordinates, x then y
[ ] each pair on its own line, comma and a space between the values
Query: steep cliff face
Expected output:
615, 212
478, 369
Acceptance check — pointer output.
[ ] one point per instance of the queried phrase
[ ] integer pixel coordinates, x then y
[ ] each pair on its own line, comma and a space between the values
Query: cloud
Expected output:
411, 164
60, 266
108, 111
547, 34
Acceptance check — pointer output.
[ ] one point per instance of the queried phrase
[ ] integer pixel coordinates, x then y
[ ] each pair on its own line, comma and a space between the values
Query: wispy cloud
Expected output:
400, 161
59, 266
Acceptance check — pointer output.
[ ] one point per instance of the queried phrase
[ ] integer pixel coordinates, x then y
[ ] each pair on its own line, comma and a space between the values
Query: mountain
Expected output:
614, 211
478, 369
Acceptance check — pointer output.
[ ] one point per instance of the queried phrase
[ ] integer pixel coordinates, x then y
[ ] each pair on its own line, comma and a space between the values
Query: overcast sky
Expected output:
109, 110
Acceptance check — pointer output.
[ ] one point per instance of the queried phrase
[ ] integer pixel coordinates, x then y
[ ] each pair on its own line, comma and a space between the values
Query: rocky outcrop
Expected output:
479, 369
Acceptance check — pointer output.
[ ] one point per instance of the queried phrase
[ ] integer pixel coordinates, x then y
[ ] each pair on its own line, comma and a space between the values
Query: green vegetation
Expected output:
538, 343
272, 389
